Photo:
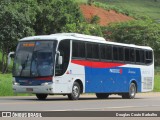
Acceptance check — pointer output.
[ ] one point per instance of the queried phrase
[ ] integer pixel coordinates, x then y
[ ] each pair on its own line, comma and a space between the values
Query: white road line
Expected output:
103, 108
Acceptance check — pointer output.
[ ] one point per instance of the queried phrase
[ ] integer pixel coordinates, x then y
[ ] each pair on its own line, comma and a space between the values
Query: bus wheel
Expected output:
102, 95
75, 92
41, 96
132, 92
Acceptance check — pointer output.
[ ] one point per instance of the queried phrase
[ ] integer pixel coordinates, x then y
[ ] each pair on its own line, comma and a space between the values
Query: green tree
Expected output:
95, 19
90, 2
53, 15
83, 28
16, 21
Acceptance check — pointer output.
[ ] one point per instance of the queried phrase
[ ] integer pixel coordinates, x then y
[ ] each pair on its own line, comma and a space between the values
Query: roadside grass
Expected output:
157, 83
6, 82
6, 86
157, 80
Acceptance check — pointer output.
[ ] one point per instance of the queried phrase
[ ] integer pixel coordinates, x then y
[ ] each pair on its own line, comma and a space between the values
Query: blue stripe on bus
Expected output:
111, 80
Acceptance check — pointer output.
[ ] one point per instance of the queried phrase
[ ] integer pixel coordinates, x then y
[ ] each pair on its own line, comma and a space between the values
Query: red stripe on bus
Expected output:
95, 64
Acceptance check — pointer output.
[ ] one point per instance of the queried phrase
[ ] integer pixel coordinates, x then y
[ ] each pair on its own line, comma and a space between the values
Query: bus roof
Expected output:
81, 37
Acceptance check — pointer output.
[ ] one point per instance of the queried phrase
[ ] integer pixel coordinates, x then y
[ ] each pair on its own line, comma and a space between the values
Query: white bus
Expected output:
71, 64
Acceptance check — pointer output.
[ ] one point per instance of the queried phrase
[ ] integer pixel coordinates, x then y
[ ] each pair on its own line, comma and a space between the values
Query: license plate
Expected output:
29, 89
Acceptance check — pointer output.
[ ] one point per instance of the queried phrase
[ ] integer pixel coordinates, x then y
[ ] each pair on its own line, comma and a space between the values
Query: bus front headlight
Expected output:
14, 82
46, 83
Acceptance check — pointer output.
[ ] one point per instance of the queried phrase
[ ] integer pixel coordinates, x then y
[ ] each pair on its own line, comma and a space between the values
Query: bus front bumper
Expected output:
46, 89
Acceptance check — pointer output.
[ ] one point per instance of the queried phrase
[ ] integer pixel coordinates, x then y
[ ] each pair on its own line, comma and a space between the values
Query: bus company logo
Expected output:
131, 72
119, 71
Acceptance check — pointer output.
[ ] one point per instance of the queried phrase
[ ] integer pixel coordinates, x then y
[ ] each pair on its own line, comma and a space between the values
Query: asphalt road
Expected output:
142, 102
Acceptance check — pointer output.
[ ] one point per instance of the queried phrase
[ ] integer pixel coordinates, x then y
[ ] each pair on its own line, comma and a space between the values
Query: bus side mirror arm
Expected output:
9, 57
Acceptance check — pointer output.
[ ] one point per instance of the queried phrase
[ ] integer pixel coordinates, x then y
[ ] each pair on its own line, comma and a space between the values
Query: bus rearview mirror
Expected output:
60, 59
11, 54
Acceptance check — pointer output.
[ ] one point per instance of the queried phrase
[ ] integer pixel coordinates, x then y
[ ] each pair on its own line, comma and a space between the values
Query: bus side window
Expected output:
127, 56
81, 50
121, 54
137, 56
78, 49
148, 57
132, 55
108, 52
142, 56
75, 49
102, 52
89, 50
95, 52
115, 53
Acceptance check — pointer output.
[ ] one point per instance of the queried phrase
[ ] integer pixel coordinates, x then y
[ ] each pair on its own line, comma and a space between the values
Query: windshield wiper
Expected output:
24, 65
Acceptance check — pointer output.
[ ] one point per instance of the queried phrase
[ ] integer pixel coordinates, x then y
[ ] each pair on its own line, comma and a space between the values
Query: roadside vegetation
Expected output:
6, 86
157, 83
157, 80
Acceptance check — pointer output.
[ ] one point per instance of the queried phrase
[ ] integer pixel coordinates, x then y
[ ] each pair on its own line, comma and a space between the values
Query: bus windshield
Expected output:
34, 59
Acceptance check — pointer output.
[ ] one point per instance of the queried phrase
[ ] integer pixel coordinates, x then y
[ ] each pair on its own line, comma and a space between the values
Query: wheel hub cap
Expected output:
75, 91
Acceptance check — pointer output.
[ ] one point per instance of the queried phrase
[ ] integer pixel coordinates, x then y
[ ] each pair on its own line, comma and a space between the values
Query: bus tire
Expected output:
41, 96
102, 95
132, 92
75, 92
